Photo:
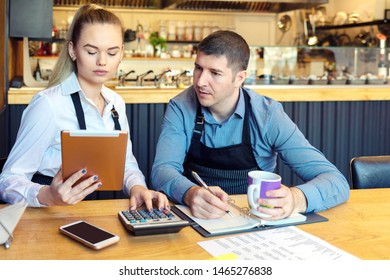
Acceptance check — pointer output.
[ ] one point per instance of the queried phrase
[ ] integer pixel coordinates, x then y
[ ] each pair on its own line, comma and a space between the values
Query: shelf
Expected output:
158, 58
54, 57
58, 40
182, 42
352, 25
45, 57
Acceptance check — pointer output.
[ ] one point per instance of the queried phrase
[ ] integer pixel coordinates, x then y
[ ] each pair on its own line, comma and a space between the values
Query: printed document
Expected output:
287, 243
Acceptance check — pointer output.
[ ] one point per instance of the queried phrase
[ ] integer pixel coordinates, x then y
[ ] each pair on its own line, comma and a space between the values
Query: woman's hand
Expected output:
140, 195
64, 193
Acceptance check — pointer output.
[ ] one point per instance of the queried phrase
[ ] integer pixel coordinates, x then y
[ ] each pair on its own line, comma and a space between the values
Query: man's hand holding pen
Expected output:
207, 205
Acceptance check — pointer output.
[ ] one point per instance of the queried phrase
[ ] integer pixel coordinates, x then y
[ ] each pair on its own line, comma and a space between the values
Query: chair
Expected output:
2, 162
370, 172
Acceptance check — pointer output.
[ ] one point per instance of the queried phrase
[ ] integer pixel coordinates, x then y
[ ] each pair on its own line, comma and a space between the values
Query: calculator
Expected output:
145, 222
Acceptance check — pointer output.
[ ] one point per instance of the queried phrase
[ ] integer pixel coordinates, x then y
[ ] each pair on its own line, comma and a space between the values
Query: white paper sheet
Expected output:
288, 243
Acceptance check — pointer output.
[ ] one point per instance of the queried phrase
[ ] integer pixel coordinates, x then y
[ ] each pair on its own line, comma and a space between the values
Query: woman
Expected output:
90, 57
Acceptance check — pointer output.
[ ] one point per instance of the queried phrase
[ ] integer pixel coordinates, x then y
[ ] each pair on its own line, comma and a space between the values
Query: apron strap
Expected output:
199, 125
199, 121
246, 138
80, 112
115, 117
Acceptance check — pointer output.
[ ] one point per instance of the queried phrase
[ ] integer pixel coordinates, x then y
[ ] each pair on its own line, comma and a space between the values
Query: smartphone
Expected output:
89, 235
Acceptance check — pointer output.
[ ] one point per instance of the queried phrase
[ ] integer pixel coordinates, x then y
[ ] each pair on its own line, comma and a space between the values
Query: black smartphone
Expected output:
89, 235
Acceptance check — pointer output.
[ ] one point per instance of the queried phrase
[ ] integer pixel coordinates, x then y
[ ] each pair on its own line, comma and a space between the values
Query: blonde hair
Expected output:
87, 14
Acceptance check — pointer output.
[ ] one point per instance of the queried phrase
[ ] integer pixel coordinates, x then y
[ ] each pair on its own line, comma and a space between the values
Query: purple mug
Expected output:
259, 182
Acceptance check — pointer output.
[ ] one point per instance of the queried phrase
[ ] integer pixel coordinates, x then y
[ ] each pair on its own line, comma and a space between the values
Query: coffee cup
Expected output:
259, 182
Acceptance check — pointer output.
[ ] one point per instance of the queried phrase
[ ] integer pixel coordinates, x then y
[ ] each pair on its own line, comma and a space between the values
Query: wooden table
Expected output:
360, 226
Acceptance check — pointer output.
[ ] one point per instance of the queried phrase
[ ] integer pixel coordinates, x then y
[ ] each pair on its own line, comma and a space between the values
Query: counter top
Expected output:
283, 93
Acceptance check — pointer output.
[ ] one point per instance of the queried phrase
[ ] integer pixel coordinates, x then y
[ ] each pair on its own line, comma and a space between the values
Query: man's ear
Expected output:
240, 78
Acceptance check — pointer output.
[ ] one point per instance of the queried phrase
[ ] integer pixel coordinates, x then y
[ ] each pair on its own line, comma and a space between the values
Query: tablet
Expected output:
102, 153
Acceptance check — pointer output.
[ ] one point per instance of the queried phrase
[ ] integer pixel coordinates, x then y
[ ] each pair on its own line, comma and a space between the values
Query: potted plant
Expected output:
159, 44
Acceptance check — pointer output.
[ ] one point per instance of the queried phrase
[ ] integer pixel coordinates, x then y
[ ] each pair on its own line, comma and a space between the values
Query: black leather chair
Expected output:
2, 162
370, 172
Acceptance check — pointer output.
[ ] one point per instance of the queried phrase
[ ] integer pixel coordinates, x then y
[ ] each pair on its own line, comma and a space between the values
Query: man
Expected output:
222, 131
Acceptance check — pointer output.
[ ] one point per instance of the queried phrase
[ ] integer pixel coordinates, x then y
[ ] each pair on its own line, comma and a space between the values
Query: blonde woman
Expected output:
76, 98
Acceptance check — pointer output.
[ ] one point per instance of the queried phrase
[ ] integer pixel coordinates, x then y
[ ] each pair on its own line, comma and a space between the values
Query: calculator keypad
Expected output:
145, 222
145, 216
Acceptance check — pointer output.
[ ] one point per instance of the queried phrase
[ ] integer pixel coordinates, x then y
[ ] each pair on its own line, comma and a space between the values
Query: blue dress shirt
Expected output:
272, 133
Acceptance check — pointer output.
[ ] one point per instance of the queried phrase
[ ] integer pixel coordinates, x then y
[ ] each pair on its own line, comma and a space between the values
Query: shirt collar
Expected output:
71, 85
240, 108
239, 111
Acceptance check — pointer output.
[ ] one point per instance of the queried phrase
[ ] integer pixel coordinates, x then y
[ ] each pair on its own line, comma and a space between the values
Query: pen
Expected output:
204, 185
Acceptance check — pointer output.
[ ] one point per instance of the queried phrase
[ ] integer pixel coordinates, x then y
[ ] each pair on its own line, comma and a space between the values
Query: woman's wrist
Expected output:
43, 196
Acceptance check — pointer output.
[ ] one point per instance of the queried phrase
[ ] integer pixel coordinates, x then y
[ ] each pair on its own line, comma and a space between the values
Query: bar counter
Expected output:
283, 93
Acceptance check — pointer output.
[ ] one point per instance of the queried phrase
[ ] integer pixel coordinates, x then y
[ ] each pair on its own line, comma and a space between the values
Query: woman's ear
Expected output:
71, 51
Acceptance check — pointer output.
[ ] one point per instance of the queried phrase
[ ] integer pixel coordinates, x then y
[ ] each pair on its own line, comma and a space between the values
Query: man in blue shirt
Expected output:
222, 131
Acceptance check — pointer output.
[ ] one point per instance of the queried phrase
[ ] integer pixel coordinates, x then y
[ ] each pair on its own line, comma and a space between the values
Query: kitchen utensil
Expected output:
284, 25
313, 40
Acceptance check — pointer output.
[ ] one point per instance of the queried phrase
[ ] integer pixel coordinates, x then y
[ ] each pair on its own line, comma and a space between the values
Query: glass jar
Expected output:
189, 31
172, 30
214, 27
163, 29
206, 29
180, 36
197, 31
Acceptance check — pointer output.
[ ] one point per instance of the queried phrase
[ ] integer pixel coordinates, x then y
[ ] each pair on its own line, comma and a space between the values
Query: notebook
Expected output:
102, 153
241, 220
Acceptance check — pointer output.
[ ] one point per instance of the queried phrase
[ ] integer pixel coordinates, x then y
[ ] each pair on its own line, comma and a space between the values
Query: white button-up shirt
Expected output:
38, 144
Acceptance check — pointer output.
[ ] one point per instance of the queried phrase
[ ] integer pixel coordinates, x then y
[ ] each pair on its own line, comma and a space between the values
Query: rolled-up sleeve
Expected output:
171, 151
325, 186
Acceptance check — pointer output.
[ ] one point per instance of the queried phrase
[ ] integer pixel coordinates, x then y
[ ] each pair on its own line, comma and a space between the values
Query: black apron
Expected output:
226, 167
46, 180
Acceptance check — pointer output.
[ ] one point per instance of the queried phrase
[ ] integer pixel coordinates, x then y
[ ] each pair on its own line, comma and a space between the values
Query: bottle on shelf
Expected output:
37, 72
171, 30
163, 29
206, 29
388, 66
382, 67
214, 27
180, 34
198, 31
189, 32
